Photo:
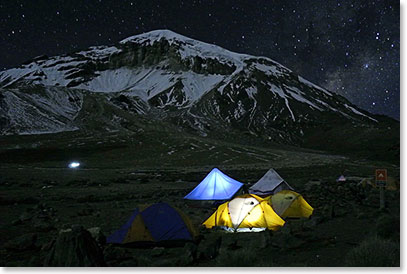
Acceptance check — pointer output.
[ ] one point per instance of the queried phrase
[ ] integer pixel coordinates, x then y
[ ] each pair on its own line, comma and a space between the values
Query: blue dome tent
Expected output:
157, 223
215, 186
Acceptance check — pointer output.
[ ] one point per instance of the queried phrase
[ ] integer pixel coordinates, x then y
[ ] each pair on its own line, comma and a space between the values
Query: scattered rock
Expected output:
362, 215
313, 222
190, 253
340, 211
128, 263
85, 211
286, 241
115, 254
328, 211
75, 247
7, 201
312, 184
81, 182
22, 243
16, 222
42, 226
87, 199
35, 261
209, 248
388, 227
97, 234
29, 200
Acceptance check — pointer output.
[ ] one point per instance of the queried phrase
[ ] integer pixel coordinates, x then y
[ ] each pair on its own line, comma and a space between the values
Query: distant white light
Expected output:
74, 165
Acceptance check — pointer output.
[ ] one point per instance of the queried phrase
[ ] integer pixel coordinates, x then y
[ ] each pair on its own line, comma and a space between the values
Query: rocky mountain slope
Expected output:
169, 77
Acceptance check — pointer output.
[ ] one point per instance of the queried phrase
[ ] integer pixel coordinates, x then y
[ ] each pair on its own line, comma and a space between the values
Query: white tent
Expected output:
215, 186
341, 179
269, 184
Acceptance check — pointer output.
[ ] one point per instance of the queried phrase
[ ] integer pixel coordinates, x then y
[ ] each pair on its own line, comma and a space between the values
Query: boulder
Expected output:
74, 247
97, 234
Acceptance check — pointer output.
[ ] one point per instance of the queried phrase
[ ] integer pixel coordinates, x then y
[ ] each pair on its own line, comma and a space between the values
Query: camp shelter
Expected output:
341, 179
215, 186
270, 183
245, 213
157, 223
290, 204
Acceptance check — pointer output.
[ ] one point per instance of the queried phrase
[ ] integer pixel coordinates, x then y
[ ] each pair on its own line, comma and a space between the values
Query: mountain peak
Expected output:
179, 77
155, 35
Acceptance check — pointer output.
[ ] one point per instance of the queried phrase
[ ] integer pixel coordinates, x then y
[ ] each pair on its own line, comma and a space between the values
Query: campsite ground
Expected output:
40, 196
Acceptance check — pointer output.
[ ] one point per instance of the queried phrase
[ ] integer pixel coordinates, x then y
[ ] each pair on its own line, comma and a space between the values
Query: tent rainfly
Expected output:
269, 184
215, 186
290, 204
245, 213
157, 223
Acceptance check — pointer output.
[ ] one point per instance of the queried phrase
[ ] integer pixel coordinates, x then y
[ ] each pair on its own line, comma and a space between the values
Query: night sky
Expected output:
350, 47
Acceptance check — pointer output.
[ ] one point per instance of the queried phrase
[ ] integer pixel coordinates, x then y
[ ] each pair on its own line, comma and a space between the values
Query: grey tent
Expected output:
269, 184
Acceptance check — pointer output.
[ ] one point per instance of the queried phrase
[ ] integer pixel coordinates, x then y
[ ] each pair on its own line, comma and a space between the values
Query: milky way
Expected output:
349, 47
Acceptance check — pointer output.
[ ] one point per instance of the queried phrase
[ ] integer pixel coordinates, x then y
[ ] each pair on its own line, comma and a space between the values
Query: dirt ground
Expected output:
36, 203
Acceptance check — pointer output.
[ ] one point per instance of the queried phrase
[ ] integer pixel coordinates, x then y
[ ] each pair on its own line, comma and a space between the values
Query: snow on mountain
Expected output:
194, 83
32, 112
147, 83
189, 47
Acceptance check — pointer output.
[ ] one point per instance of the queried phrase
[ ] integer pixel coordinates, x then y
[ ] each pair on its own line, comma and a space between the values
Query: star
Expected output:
355, 44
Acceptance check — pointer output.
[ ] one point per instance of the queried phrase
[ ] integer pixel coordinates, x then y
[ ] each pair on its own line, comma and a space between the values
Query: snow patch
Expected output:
308, 83
359, 113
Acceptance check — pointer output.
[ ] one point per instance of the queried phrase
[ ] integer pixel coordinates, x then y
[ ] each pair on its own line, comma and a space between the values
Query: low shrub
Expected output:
243, 257
388, 227
374, 252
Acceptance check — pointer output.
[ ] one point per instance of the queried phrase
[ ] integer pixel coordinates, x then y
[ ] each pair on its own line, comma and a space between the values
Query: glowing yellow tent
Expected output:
287, 203
245, 213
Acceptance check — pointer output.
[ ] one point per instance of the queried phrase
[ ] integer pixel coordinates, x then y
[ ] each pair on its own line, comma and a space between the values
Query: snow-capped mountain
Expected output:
170, 77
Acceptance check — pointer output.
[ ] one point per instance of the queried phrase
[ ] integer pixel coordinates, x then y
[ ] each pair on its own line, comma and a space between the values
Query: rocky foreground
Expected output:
346, 229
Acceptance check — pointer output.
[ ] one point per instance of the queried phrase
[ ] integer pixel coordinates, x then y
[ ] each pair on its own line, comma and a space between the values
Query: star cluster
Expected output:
350, 47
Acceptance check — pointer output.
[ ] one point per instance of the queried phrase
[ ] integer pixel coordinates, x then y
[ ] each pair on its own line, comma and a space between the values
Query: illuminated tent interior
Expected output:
269, 184
245, 213
215, 186
290, 204
157, 223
